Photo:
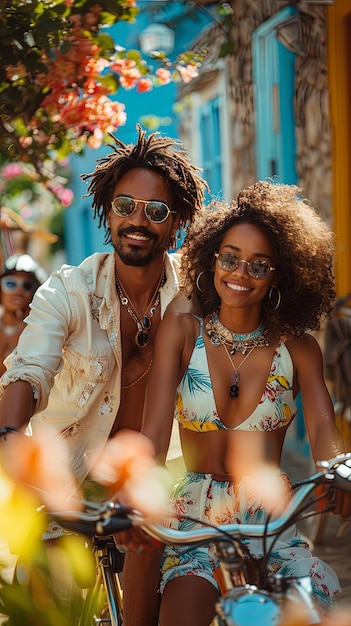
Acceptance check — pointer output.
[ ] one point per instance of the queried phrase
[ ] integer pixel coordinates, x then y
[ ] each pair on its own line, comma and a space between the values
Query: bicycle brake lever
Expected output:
337, 472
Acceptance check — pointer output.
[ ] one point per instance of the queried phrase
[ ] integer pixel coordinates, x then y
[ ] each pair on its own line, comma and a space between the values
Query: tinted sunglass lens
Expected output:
123, 206
258, 269
27, 286
227, 262
156, 211
8, 284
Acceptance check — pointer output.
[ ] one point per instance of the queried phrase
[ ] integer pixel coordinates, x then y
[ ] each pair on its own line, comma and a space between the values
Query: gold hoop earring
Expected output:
279, 297
197, 282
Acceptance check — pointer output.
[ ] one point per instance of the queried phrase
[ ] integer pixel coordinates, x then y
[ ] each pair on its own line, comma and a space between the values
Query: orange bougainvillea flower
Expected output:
128, 466
164, 76
144, 84
41, 464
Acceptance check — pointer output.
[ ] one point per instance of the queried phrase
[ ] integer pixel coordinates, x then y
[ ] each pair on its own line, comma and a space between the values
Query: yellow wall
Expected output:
339, 36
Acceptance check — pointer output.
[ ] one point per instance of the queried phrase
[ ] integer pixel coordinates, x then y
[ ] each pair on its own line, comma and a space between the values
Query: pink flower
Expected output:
66, 197
187, 73
164, 76
11, 170
27, 213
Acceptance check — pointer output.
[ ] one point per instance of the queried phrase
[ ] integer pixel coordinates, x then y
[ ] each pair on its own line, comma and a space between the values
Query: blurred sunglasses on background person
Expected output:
9, 284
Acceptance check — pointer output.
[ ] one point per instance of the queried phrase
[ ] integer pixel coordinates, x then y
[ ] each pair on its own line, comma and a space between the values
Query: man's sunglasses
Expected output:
9, 284
155, 211
258, 268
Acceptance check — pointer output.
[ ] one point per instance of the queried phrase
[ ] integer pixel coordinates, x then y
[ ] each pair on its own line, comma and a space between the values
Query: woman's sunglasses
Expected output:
9, 284
155, 211
258, 268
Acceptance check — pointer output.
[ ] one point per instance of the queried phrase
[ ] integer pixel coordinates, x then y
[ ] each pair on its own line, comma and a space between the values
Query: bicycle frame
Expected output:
109, 563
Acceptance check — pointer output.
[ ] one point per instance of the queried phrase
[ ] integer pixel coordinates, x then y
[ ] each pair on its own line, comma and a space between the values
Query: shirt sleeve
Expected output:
38, 356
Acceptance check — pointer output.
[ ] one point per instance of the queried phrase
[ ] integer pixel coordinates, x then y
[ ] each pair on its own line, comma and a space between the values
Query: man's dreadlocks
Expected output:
155, 152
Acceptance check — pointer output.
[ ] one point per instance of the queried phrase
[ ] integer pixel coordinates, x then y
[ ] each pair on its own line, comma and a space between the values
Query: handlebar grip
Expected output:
342, 476
113, 525
100, 526
90, 529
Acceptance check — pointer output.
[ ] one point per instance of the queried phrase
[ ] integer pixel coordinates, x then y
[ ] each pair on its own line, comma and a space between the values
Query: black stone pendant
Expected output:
234, 387
142, 338
146, 322
234, 391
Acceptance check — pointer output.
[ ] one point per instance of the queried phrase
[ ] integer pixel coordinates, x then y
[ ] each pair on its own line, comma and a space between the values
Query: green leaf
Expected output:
111, 81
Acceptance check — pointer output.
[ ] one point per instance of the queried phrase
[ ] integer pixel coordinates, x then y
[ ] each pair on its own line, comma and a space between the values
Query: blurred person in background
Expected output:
20, 278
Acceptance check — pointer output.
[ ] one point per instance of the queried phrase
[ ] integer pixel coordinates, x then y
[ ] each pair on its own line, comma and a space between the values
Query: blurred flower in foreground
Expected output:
20, 523
40, 463
128, 466
297, 615
247, 463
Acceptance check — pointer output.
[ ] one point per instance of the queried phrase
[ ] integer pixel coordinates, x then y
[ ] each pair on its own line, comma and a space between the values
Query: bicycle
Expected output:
109, 565
256, 598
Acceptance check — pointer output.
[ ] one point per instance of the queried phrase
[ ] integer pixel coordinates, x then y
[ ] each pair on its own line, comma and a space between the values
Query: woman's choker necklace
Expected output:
238, 342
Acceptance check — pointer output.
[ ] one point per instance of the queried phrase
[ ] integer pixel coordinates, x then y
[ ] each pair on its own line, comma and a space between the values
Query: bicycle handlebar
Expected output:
110, 517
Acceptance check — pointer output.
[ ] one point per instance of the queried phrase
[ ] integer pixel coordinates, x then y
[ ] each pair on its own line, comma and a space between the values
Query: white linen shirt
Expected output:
71, 354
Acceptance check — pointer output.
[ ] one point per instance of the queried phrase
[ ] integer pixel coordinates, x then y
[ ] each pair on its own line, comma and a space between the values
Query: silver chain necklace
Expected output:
142, 337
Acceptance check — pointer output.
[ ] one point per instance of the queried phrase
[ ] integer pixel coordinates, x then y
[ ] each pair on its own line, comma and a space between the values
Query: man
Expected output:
82, 363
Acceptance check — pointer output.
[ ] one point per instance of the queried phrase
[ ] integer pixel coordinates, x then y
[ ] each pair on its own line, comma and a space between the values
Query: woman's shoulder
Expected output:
304, 346
181, 319
180, 328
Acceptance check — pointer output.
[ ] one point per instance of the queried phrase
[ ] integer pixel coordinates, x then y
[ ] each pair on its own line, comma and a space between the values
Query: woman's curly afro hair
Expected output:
304, 247
156, 152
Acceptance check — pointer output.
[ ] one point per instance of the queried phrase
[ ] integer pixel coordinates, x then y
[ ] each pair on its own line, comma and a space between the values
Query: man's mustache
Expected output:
141, 230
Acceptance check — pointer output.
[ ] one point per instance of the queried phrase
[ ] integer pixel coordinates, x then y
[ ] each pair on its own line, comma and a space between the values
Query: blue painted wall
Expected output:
273, 76
82, 237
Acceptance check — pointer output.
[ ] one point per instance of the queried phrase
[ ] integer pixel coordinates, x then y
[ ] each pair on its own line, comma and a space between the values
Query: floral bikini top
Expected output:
195, 405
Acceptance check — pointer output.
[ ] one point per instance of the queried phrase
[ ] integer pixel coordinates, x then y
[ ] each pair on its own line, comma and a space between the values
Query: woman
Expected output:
262, 272
19, 280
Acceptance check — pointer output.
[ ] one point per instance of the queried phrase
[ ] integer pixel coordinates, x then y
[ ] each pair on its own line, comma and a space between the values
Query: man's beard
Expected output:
134, 256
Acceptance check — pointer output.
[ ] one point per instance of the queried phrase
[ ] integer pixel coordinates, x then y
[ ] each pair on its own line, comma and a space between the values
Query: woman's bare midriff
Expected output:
215, 452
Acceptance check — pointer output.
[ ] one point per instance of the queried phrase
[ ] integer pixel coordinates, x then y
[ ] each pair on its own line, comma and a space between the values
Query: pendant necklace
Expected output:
142, 337
235, 377
242, 342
